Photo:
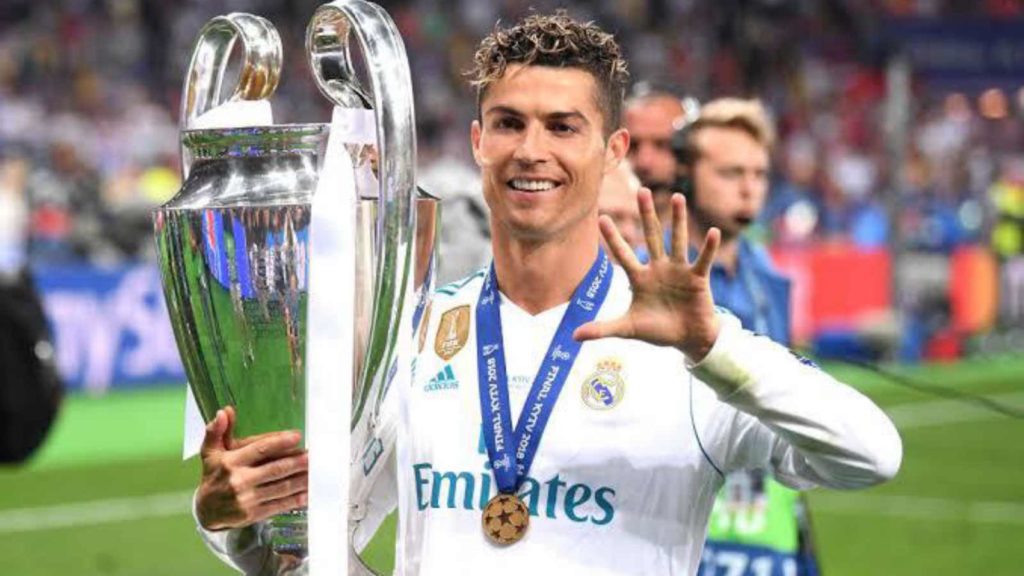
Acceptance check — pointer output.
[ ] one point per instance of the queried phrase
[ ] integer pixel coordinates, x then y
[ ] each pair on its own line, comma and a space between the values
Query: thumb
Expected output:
618, 328
216, 434
229, 432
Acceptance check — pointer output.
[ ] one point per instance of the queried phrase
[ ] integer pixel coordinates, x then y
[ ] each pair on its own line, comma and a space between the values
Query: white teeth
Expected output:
532, 185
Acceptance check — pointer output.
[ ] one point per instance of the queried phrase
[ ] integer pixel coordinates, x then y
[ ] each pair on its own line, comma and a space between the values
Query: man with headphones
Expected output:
653, 115
720, 161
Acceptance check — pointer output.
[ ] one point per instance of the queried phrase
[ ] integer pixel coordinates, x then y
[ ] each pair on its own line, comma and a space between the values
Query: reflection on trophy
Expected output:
235, 242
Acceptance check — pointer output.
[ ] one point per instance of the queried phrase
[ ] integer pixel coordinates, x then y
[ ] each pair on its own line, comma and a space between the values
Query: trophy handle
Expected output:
257, 79
390, 96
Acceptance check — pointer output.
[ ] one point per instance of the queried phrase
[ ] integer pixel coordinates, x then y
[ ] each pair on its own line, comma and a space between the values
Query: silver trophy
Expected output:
234, 243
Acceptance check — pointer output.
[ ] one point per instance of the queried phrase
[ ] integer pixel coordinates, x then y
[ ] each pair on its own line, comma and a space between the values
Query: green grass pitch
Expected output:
109, 493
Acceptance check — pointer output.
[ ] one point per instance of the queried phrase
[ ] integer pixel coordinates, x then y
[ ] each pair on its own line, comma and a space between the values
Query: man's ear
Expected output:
474, 140
615, 149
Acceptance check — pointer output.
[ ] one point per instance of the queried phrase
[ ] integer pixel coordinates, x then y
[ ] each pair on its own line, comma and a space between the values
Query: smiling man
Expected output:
567, 415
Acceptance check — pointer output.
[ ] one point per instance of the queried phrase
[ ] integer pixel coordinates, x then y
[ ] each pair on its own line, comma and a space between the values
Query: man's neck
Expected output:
538, 275
728, 250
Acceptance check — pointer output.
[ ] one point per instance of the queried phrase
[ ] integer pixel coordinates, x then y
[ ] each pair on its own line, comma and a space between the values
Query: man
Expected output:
658, 395
723, 170
617, 200
652, 117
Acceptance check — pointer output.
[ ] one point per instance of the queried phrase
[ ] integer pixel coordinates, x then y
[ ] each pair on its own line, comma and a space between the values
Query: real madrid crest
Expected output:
452, 332
604, 388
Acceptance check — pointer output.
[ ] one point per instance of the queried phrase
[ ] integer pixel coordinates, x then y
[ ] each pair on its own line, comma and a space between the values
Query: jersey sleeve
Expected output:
247, 549
789, 416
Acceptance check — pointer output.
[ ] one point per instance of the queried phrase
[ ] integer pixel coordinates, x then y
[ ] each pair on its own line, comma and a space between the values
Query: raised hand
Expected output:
250, 479
672, 304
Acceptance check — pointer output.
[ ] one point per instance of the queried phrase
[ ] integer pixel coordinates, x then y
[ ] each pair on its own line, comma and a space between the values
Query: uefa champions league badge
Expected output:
452, 332
604, 388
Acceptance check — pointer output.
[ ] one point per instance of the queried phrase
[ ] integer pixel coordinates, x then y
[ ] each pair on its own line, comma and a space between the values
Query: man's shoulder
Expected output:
467, 288
758, 257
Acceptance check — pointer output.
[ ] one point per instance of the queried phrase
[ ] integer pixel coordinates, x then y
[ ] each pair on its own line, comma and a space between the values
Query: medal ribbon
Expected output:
511, 452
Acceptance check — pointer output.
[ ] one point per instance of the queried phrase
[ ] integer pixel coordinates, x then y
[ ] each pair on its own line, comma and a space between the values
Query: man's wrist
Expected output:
697, 349
726, 367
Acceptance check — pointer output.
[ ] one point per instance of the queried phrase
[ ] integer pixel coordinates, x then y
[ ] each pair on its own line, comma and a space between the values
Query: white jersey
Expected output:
634, 452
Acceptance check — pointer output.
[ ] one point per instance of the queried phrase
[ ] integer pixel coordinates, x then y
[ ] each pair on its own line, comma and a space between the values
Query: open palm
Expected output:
672, 303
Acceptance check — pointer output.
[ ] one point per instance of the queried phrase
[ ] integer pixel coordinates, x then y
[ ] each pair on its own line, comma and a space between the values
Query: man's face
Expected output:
650, 125
730, 178
541, 150
618, 201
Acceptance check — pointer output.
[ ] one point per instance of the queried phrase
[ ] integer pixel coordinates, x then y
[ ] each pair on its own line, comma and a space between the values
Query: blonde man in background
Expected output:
723, 172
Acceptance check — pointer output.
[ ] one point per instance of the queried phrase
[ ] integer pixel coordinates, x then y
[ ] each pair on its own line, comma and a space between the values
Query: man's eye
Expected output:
507, 123
562, 128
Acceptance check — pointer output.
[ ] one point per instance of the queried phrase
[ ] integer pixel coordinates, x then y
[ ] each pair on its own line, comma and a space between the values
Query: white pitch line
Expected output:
942, 412
920, 508
95, 512
906, 416
846, 503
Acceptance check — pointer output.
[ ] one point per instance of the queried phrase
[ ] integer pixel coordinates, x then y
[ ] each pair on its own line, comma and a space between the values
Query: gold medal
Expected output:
505, 519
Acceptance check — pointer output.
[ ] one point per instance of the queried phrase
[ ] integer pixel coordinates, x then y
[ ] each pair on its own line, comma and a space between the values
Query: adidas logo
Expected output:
444, 380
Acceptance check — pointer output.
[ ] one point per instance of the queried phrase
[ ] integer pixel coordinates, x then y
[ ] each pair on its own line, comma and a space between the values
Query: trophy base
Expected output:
288, 534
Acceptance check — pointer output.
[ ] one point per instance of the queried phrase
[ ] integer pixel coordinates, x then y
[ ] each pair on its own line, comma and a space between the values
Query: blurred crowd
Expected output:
89, 95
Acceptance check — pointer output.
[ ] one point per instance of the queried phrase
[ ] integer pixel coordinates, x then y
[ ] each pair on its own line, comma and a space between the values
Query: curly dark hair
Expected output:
558, 41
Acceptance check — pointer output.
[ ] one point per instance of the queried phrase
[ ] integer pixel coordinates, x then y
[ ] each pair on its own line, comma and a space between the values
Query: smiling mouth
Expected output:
532, 185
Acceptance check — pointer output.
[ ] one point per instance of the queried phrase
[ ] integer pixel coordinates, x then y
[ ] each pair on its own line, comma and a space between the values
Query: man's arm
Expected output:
814, 429
245, 543
794, 418
247, 549
244, 482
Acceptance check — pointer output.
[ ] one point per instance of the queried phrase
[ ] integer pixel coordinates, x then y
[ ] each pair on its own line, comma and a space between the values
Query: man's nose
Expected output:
749, 185
641, 155
531, 146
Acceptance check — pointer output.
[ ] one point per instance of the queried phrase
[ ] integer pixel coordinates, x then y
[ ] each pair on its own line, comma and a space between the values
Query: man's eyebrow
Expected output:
557, 116
571, 115
499, 109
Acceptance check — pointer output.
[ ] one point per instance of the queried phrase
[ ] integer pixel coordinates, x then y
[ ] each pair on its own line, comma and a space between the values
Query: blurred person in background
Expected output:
66, 207
723, 158
30, 390
14, 213
617, 200
1006, 196
652, 116
793, 208
465, 232
862, 218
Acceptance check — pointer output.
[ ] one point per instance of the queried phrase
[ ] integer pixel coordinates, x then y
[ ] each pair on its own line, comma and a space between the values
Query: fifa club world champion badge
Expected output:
506, 519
